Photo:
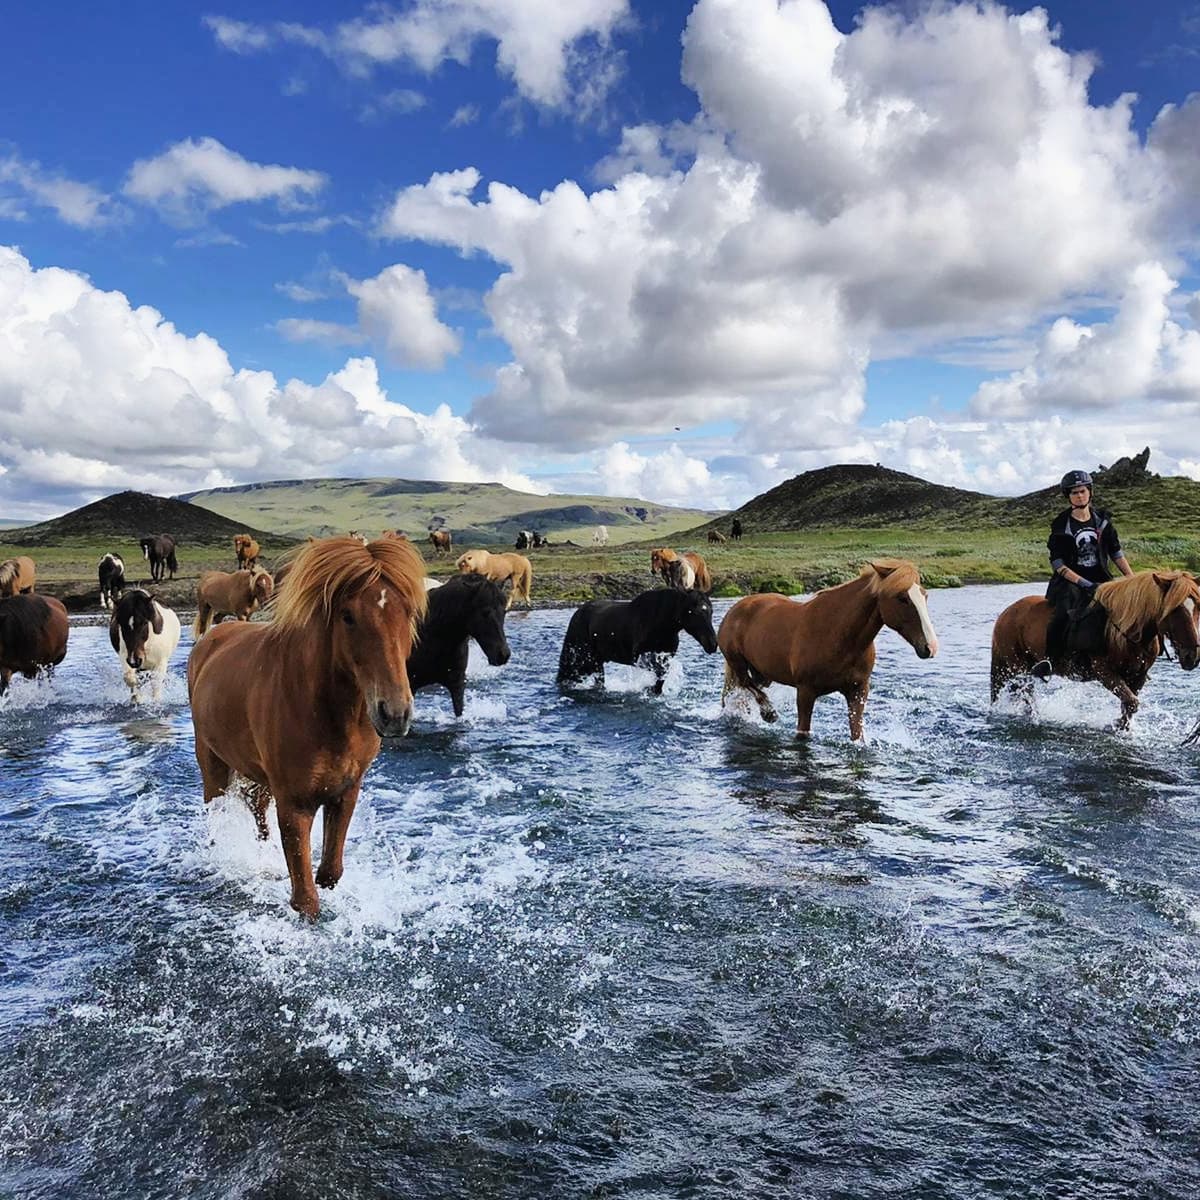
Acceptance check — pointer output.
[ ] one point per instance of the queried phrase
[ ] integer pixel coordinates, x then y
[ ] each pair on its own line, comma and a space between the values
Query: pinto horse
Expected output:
33, 634
499, 567
642, 631
465, 607
144, 633
17, 575
159, 552
298, 706
681, 571
1141, 611
826, 644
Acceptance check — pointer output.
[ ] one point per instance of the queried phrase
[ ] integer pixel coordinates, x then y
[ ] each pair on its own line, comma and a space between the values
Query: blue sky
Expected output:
674, 250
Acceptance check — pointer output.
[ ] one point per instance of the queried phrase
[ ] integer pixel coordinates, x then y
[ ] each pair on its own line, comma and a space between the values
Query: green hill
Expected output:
487, 513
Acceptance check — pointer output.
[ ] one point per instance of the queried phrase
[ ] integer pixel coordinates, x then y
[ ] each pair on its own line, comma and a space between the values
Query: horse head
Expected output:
903, 603
261, 585
485, 620
473, 562
696, 619
366, 600
1181, 612
136, 616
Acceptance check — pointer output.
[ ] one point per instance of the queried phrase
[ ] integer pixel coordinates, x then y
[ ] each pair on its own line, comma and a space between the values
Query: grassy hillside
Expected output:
476, 513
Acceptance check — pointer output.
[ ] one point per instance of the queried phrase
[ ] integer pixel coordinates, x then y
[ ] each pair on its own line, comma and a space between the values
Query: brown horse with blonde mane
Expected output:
684, 571
229, 594
826, 644
17, 575
246, 549
1141, 611
515, 568
298, 706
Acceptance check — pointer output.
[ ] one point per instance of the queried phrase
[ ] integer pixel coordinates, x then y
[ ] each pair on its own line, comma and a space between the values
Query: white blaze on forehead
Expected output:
918, 599
383, 597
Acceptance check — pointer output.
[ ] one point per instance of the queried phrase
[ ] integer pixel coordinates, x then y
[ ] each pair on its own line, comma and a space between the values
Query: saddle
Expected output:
1085, 629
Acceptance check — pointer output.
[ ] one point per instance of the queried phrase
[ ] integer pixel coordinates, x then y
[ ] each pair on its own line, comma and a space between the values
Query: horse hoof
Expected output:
770, 716
327, 879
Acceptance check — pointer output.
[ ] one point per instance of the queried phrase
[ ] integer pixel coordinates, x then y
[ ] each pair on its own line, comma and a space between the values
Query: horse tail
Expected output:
526, 581
200, 624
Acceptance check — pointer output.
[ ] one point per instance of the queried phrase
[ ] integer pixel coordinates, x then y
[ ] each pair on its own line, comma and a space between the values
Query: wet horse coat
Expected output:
642, 631
33, 634
826, 644
1142, 611
297, 706
465, 607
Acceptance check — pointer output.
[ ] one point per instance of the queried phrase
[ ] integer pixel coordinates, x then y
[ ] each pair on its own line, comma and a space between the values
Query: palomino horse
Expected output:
17, 575
643, 631
1141, 611
246, 549
298, 706
229, 593
466, 607
33, 634
681, 570
498, 568
826, 644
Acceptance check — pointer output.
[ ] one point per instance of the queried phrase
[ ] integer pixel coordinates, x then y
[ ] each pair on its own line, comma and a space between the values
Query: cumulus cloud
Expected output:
200, 175
30, 184
126, 400
328, 333
931, 180
555, 53
396, 310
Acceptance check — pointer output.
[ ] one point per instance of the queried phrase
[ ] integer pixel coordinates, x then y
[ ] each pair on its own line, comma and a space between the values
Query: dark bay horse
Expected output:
464, 607
1141, 610
159, 552
642, 631
826, 644
298, 706
33, 634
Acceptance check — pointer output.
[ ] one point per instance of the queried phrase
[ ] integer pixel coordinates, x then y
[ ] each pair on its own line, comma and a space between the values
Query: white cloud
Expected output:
396, 310
200, 175
76, 203
400, 102
174, 413
328, 333
464, 114
556, 53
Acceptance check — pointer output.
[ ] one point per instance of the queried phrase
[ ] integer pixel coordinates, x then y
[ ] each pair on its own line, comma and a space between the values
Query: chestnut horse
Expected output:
681, 570
298, 706
33, 634
499, 567
17, 575
1141, 610
246, 549
229, 593
826, 644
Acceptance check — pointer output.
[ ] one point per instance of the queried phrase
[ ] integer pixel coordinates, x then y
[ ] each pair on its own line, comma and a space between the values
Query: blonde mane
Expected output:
326, 572
901, 575
8, 572
1135, 601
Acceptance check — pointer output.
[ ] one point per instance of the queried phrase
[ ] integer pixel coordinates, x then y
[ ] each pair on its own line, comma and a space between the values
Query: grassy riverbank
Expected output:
787, 561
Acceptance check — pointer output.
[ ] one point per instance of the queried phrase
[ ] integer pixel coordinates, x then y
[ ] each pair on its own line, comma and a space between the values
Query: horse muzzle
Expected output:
135, 661
1189, 658
391, 720
926, 649
499, 657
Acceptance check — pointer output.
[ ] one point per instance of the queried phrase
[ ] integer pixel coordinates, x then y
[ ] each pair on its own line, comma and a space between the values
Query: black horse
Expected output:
645, 628
464, 607
735, 530
159, 550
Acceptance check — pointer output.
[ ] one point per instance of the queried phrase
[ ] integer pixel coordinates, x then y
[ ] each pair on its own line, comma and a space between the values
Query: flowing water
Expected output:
611, 944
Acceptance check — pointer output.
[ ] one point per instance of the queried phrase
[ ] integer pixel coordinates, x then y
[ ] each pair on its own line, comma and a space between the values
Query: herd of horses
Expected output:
297, 707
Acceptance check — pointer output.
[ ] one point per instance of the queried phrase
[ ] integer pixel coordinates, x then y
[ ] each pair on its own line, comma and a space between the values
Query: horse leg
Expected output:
458, 692
1123, 692
5, 676
856, 702
337, 821
131, 681
805, 699
295, 832
258, 800
659, 664
215, 773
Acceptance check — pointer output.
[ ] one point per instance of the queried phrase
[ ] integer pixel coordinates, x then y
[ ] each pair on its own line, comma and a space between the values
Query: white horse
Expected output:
144, 633
600, 536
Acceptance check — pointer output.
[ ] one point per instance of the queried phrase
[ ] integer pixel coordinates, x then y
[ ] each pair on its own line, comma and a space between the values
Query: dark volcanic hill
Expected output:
859, 496
130, 516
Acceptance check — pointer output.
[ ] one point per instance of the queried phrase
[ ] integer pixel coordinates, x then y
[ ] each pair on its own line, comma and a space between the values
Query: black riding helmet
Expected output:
1074, 479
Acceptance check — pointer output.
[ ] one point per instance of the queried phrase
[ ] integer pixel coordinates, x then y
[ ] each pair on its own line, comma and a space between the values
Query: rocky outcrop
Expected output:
1126, 471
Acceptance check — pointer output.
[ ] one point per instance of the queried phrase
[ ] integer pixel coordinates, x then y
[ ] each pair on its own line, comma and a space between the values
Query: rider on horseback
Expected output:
1082, 542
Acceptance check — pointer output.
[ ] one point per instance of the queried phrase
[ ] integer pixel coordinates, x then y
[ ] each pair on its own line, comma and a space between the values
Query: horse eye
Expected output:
347, 617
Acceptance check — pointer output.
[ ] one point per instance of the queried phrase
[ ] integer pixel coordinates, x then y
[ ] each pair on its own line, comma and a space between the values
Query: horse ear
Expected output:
883, 570
1163, 581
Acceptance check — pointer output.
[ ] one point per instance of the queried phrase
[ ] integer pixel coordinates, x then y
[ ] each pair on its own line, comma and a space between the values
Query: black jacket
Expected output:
1064, 551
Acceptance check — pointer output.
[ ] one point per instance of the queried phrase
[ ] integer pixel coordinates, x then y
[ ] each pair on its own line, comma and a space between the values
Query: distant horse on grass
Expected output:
1141, 611
498, 568
642, 631
234, 594
826, 644
682, 571
442, 540
33, 634
465, 607
111, 574
716, 537
144, 634
17, 575
298, 706
159, 552
246, 549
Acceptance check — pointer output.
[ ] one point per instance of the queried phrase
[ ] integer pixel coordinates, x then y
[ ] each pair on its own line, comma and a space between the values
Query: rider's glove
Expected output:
1088, 585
